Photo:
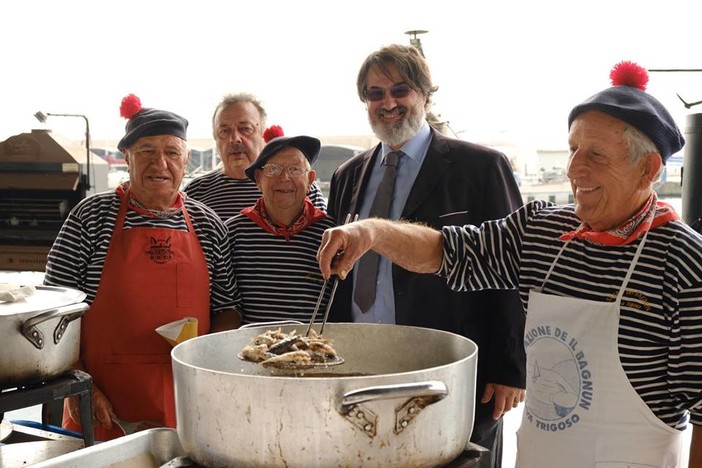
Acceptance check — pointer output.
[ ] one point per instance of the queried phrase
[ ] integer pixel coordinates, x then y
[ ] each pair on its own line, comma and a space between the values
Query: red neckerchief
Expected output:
310, 215
654, 213
124, 192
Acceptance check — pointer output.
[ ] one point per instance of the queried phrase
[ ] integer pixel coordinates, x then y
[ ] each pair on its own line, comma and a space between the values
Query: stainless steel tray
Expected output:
159, 445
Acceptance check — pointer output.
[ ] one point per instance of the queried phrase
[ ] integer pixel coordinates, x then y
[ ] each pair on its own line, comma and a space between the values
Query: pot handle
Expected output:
434, 389
420, 395
67, 313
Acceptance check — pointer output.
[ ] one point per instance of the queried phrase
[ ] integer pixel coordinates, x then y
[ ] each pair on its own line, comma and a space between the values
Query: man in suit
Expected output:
439, 181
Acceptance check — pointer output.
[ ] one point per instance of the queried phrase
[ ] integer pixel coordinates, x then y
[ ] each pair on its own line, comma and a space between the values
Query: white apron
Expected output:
580, 410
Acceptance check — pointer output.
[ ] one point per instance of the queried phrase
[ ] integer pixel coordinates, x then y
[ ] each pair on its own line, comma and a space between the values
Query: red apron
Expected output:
151, 276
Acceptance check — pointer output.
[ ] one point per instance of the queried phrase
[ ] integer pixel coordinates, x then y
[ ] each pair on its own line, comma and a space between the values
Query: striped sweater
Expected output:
277, 279
660, 328
79, 251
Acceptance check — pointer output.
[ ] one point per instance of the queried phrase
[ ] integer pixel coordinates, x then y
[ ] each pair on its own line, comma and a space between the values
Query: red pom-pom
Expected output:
274, 131
131, 105
629, 74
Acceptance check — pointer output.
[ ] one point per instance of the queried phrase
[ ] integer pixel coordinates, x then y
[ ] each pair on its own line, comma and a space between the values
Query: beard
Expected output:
396, 133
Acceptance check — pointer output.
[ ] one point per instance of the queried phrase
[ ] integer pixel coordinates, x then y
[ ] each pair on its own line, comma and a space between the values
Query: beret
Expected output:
309, 146
144, 121
639, 109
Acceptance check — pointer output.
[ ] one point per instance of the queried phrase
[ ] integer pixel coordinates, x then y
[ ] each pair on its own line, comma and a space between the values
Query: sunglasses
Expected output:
396, 91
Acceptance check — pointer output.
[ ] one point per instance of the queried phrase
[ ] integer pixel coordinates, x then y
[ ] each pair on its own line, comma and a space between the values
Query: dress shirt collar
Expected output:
415, 147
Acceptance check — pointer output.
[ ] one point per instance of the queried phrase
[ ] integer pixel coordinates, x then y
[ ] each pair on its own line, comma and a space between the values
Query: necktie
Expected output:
367, 273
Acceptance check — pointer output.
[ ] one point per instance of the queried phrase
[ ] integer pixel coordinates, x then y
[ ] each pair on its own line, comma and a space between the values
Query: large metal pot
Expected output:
40, 335
403, 397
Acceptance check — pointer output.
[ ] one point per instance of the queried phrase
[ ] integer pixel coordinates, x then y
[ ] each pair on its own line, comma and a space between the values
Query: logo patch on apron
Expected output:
560, 385
160, 250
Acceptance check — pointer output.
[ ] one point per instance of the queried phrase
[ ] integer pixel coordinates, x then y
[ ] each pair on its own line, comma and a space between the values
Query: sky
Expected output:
509, 69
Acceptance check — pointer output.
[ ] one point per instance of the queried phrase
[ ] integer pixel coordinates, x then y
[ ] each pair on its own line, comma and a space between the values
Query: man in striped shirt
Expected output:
145, 256
238, 123
274, 242
612, 287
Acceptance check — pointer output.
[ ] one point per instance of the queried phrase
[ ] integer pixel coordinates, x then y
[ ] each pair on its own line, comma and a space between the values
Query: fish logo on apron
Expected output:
560, 379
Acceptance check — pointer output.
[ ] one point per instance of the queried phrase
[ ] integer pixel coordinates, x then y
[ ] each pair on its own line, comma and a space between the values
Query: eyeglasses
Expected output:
397, 91
274, 170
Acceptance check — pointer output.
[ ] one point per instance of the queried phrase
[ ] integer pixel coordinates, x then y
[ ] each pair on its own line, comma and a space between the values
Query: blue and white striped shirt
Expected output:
660, 326
278, 279
78, 254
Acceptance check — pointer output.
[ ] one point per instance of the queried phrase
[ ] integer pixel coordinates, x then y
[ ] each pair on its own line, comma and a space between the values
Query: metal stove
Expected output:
24, 443
473, 457
160, 447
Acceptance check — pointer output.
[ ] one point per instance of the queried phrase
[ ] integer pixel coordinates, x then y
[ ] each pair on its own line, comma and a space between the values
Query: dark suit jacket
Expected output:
458, 183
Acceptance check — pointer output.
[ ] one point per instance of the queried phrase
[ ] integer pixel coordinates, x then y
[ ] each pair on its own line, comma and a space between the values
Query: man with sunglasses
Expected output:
439, 181
274, 242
